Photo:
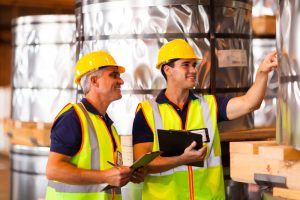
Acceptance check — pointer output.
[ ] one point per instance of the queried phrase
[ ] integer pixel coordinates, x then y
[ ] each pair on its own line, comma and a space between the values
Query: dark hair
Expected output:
169, 63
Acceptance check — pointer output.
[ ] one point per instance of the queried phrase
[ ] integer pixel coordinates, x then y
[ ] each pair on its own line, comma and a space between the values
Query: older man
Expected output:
86, 154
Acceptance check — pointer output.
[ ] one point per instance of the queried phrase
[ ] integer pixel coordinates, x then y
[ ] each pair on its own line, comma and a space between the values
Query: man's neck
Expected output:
100, 104
177, 96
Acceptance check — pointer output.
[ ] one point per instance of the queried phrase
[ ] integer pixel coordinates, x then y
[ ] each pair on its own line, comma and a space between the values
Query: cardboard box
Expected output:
264, 25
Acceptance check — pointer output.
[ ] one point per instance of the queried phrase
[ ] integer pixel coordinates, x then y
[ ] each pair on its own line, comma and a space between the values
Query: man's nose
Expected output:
120, 81
192, 69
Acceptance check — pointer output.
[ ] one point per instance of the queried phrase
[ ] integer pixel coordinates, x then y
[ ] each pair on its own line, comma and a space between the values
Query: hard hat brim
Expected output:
158, 66
121, 70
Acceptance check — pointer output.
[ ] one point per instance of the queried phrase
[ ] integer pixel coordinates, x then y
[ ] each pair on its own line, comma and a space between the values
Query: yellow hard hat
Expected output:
94, 61
175, 49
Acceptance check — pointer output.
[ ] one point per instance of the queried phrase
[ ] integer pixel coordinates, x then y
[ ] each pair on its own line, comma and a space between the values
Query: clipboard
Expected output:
145, 159
141, 162
174, 142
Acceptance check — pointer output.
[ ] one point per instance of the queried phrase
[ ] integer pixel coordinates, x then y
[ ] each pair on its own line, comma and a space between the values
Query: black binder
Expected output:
174, 142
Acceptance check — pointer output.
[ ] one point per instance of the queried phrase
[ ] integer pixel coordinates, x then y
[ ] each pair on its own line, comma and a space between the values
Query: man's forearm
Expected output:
256, 93
162, 164
67, 173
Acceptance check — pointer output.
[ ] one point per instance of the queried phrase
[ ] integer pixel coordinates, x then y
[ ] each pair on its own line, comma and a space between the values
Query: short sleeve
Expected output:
141, 131
66, 134
222, 105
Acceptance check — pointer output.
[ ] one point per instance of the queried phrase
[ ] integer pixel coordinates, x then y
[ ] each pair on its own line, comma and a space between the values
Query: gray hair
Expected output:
85, 81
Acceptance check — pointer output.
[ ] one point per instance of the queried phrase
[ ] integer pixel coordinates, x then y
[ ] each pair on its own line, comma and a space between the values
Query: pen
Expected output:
112, 164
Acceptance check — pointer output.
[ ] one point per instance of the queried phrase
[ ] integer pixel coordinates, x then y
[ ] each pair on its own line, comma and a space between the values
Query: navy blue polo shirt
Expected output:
66, 134
141, 131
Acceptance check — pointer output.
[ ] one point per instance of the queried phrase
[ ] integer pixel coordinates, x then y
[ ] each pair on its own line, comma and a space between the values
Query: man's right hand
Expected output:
192, 155
119, 176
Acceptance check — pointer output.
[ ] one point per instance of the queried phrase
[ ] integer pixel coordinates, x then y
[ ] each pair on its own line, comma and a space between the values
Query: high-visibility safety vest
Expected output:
186, 182
96, 149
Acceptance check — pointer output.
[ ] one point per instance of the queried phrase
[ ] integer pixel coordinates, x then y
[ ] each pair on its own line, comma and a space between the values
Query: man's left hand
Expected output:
139, 175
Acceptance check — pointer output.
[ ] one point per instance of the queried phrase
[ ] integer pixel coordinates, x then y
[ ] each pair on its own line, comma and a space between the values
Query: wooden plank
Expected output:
28, 133
248, 158
35, 137
253, 134
249, 147
293, 174
286, 193
244, 166
279, 152
29, 125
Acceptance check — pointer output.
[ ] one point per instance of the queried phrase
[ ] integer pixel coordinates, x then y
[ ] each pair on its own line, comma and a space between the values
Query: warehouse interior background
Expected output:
8, 11
36, 77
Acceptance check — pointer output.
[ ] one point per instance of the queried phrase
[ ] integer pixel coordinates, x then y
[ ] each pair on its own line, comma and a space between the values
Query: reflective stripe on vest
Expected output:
61, 187
94, 161
212, 160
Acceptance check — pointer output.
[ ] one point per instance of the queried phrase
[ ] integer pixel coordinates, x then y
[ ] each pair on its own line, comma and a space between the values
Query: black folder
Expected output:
174, 142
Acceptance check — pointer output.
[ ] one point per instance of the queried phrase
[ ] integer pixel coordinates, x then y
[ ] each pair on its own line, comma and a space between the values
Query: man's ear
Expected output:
167, 70
93, 80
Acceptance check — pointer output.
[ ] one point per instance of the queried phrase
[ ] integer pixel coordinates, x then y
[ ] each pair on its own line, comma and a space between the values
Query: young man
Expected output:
85, 149
177, 108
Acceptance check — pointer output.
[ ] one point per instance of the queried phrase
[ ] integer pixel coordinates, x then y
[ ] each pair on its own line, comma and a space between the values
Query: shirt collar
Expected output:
161, 97
89, 107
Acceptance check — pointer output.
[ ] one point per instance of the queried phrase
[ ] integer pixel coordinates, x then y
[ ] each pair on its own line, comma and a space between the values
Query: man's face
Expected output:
109, 83
184, 73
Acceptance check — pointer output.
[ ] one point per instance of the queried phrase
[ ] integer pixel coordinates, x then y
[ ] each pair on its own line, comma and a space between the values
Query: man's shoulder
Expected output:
67, 117
69, 113
143, 104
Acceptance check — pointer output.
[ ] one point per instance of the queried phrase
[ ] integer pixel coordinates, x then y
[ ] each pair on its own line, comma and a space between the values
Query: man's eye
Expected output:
115, 75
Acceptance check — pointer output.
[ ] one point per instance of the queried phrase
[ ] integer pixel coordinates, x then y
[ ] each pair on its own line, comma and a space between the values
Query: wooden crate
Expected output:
265, 157
27, 133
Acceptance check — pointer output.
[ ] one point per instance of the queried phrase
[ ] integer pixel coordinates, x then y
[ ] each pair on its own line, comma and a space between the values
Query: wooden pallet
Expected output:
267, 158
27, 133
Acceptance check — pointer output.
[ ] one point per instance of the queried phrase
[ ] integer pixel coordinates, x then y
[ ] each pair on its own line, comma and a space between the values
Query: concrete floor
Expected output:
5, 177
